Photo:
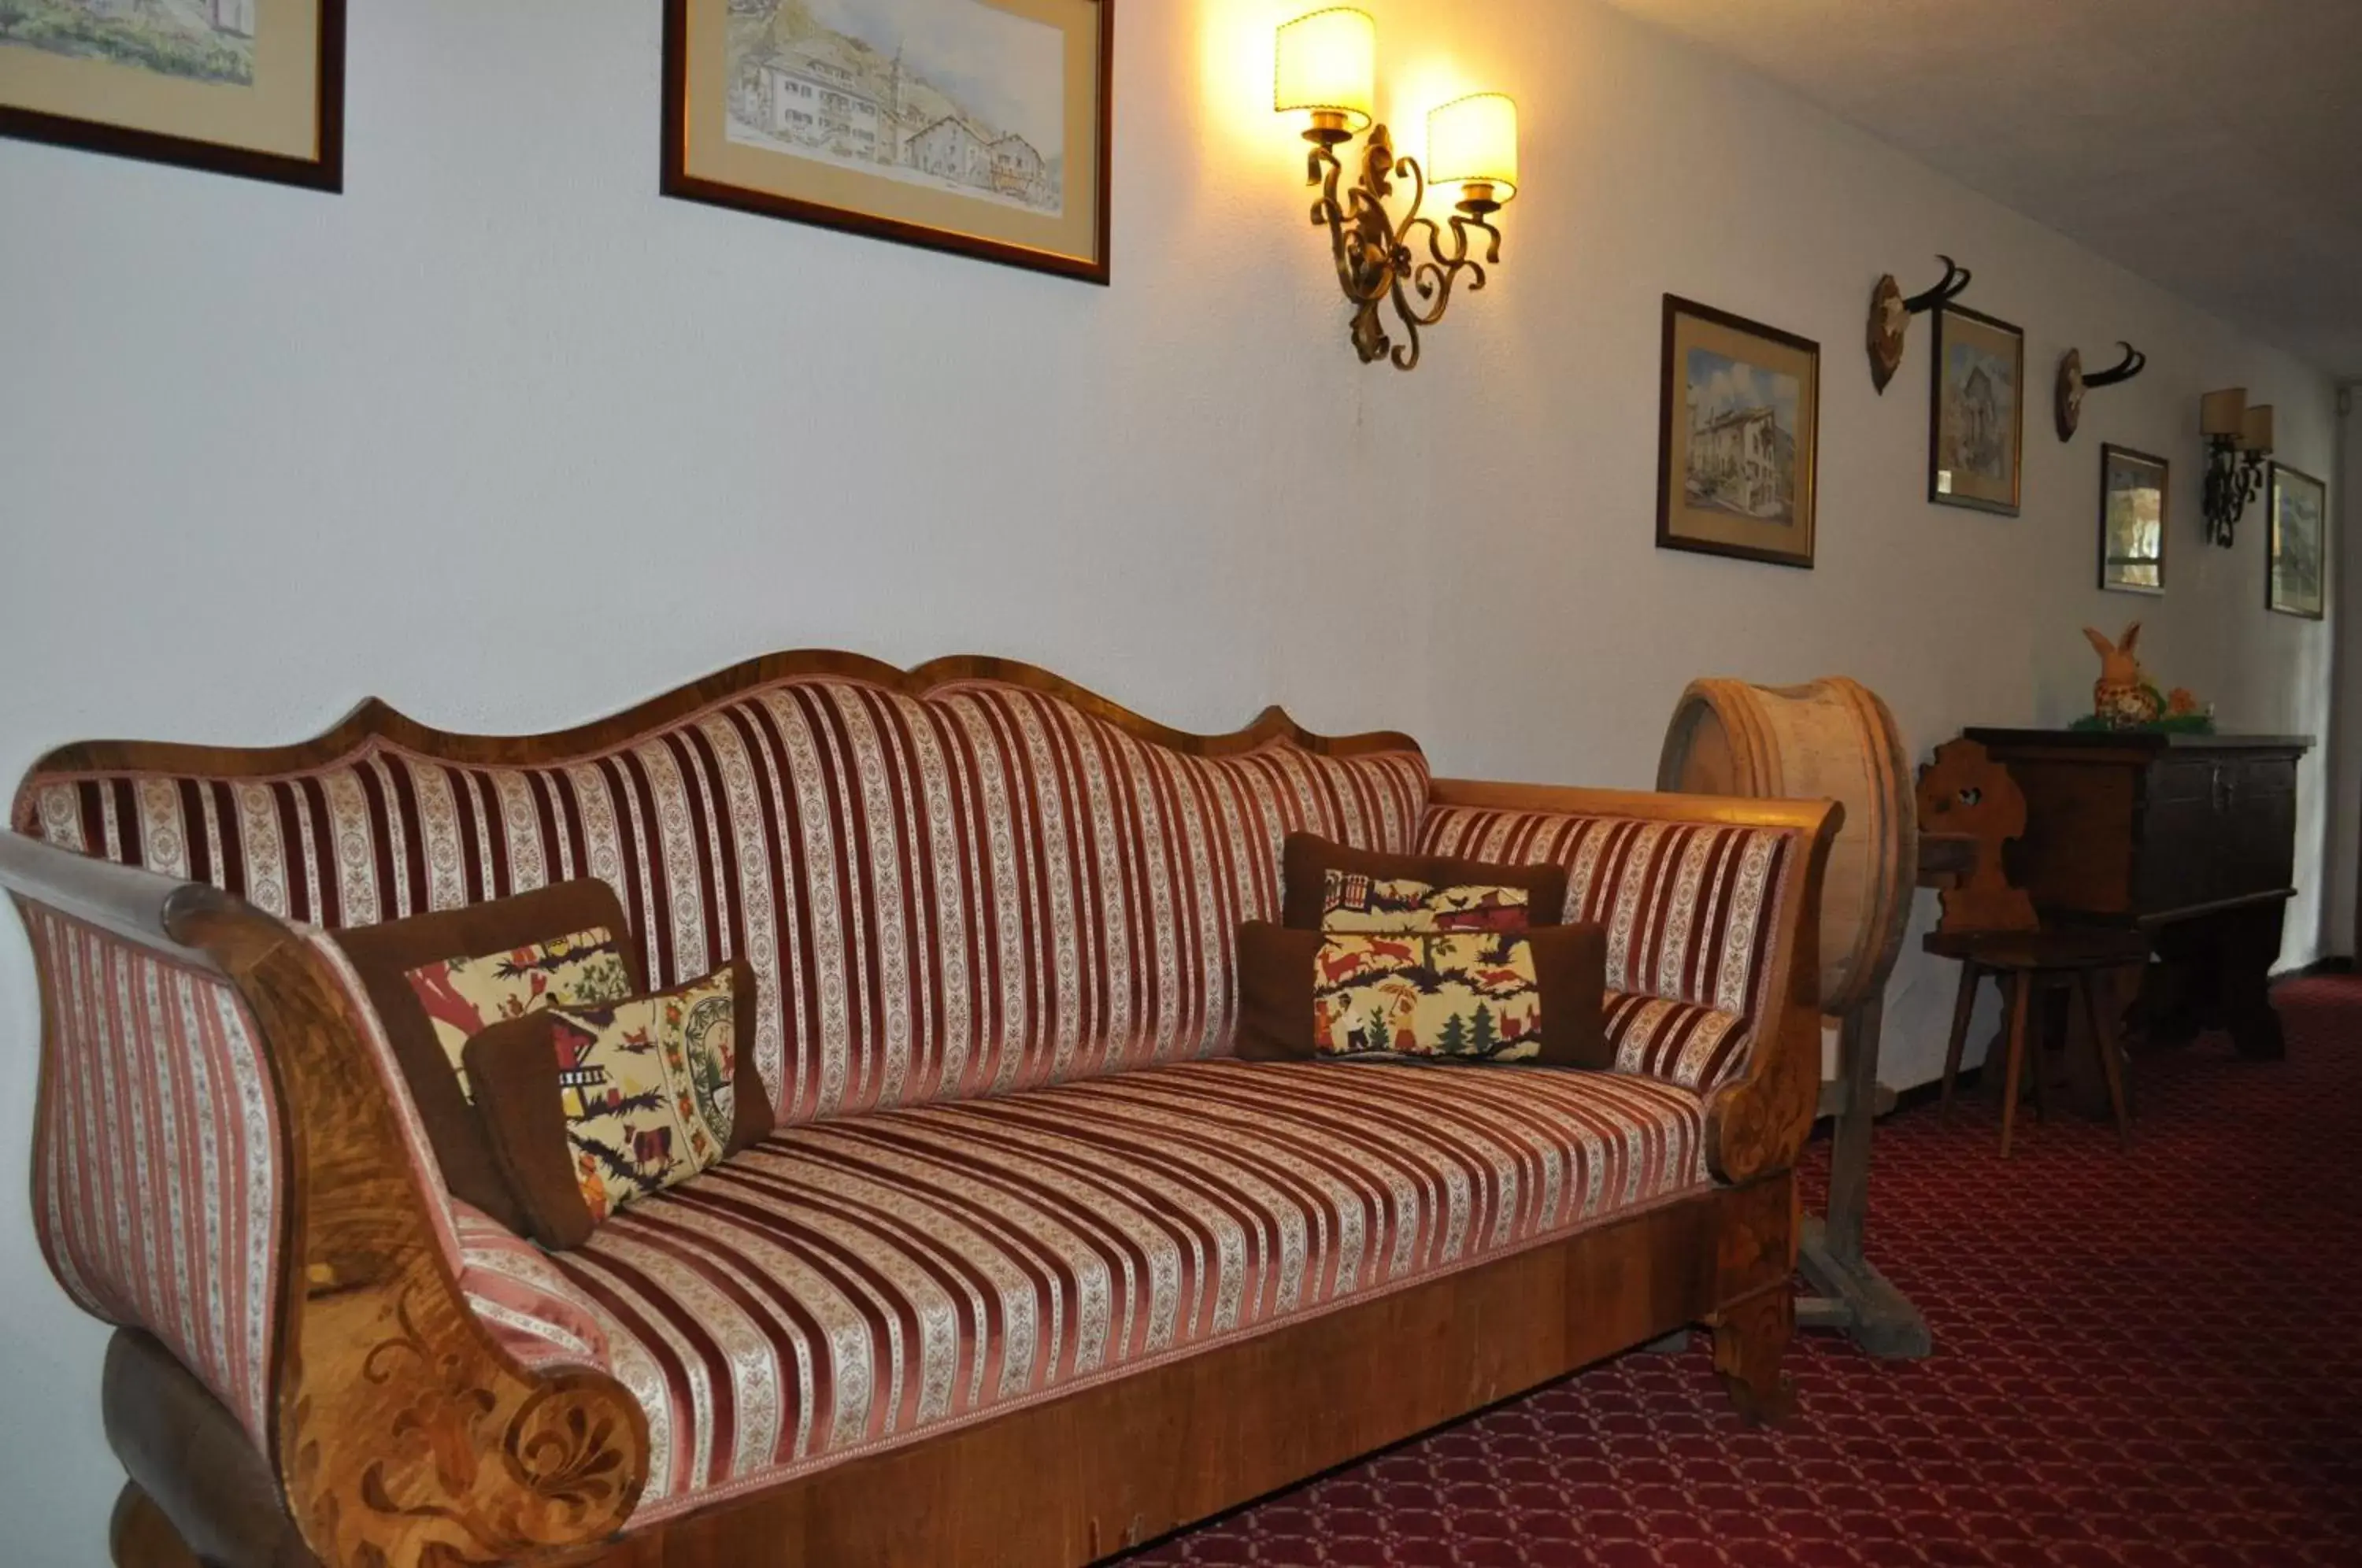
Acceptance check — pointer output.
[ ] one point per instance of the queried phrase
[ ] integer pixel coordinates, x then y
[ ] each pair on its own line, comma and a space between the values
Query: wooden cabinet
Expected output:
2192, 838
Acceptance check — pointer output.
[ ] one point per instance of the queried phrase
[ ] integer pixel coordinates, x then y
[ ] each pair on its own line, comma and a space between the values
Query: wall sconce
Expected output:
1328, 68
2238, 439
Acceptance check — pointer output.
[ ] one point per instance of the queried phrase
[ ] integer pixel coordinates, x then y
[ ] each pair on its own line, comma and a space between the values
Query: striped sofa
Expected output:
1028, 1242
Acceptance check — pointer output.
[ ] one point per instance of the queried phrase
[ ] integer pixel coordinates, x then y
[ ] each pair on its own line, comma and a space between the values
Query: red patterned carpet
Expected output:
2143, 1359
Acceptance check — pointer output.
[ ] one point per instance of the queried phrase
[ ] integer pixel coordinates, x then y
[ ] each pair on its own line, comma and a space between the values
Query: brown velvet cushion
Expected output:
385, 955
1306, 860
565, 1122
1546, 1000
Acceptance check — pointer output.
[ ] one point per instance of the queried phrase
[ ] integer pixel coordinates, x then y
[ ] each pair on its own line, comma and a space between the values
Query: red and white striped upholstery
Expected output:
978, 890
1689, 908
856, 1284
156, 1177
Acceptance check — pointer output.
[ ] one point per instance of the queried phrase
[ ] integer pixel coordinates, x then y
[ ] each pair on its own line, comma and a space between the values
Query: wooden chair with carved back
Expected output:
1992, 929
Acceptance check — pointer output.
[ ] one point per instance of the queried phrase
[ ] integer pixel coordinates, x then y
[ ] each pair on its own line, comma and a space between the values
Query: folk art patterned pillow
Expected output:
1355, 901
466, 995
1531, 997
589, 1108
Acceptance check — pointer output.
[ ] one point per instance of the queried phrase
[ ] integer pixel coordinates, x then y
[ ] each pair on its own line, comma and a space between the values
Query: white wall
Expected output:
503, 437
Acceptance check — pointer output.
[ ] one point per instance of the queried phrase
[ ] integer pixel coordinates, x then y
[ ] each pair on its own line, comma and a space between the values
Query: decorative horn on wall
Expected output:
1891, 314
2073, 383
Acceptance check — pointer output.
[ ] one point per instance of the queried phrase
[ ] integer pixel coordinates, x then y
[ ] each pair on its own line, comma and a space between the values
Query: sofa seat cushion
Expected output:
850, 1286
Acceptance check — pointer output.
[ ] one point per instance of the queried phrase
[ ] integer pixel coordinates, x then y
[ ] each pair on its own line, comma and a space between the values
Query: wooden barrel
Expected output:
1830, 740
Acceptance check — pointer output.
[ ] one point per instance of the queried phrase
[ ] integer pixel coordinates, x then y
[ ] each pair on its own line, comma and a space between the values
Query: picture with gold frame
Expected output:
2298, 517
1737, 437
979, 127
254, 88
1976, 418
2136, 494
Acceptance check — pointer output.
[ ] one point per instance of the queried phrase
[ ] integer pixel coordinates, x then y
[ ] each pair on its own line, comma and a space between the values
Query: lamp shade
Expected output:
2223, 412
2256, 430
1329, 64
1474, 141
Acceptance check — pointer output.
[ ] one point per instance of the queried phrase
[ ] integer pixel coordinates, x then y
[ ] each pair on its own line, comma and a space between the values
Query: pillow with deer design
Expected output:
1481, 996
589, 1108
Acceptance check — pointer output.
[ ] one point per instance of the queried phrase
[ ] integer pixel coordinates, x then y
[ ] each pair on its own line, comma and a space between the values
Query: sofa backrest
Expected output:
950, 883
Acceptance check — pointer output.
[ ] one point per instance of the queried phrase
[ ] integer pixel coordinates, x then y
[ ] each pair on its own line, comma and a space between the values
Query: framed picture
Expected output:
980, 127
1737, 437
2300, 510
2133, 490
248, 87
1976, 434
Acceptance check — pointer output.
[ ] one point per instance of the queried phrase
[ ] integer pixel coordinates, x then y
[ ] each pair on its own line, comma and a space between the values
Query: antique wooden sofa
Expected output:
1030, 1272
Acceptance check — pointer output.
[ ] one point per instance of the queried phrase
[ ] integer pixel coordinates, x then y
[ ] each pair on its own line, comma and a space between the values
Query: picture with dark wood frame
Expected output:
987, 133
1976, 413
2298, 511
2135, 513
230, 86
1737, 437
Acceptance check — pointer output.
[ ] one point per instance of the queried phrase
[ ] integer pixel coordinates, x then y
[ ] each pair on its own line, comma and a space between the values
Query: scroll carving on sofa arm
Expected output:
1629, 854
248, 1106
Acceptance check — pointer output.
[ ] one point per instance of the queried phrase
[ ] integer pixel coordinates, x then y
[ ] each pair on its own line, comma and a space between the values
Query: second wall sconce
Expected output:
1327, 69
2238, 439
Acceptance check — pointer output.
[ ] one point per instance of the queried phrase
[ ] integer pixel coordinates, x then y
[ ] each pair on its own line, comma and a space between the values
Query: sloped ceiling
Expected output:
2214, 147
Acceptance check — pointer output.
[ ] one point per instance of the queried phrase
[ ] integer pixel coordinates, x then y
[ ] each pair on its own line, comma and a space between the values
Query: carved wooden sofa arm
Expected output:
1758, 1122
213, 1099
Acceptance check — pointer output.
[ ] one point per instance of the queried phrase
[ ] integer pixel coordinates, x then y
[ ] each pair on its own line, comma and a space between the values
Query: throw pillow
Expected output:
591, 1108
1533, 996
1330, 886
435, 979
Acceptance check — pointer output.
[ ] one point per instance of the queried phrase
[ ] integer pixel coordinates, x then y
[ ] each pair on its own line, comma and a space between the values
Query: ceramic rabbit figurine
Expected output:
2122, 696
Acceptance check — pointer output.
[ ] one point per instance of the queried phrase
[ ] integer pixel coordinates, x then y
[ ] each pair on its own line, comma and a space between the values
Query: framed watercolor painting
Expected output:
2133, 534
2299, 511
248, 87
1737, 437
980, 127
1976, 436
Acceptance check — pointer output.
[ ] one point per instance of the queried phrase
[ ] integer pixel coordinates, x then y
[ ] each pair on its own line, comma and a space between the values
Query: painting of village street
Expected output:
201, 41
1466, 994
1742, 444
956, 95
1980, 374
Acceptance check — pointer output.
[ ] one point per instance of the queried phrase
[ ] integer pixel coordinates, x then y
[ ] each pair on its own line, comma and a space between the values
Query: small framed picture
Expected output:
980, 127
2132, 533
1977, 418
2300, 510
248, 87
1737, 437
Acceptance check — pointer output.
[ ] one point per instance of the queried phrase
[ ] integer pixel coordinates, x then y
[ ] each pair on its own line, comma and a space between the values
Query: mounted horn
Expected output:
2073, 383
1891, 314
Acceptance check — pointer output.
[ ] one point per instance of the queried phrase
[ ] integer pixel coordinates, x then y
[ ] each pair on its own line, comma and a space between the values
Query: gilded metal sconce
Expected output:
2238, 439
1327, 67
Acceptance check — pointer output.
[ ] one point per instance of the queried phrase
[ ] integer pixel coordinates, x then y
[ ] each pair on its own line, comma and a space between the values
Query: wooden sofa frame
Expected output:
402, 1435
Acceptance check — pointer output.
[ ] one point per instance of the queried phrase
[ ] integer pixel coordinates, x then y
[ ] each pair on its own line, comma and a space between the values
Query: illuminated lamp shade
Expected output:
1473, 143
2223, 412
1328, 65
2256, 430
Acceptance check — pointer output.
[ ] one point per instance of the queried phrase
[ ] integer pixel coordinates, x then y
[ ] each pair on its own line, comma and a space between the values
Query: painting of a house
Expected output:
1743, 439
1980, 416
958, 95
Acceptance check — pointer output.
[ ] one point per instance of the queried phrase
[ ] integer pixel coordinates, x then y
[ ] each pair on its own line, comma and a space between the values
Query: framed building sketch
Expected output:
1737, 437
2132, 533
248, 87
2299, 511
1976, 436
980, 127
